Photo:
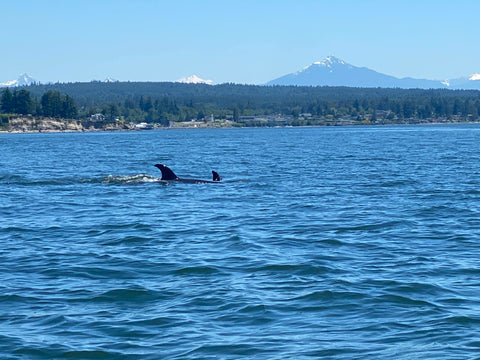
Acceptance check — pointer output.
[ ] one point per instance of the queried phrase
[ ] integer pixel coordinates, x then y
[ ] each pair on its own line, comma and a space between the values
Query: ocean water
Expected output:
334, 242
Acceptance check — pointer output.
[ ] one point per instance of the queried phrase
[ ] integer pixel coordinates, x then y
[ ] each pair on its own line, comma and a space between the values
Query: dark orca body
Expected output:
169, 175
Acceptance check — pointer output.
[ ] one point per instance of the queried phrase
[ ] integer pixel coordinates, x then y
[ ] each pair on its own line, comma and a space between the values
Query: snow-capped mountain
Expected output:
22, 80
194, 79
471, 82
335, 72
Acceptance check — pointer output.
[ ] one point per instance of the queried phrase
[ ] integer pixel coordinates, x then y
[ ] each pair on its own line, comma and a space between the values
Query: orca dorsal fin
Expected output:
167, 174
216, 177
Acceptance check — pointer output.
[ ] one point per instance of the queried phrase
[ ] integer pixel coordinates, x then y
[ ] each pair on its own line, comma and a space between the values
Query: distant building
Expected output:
303, 116
265, 118
143, 126
97, 117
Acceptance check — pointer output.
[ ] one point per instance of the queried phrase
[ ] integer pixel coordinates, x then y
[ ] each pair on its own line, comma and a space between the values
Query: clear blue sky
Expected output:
241, 41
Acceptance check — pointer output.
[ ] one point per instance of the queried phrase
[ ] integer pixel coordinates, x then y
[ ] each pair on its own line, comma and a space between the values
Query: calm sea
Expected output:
334, 242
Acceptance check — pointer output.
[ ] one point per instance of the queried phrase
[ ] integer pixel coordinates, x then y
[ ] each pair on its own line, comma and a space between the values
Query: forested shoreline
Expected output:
101, 105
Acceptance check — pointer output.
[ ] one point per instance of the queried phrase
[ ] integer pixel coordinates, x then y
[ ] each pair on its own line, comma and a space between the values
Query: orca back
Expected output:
167, 173
216, 177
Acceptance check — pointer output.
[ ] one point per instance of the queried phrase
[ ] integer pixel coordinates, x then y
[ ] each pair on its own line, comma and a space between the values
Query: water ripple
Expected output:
361, 243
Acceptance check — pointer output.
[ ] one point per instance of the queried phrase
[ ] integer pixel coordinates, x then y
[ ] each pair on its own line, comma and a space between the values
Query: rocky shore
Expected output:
34, 124
29, 123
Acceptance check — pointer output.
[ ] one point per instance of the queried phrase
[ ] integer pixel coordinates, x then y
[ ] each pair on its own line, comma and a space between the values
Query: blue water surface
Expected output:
334, 242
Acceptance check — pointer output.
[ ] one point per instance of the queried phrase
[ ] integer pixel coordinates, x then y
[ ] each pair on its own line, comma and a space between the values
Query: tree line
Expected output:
51, 104
163, 103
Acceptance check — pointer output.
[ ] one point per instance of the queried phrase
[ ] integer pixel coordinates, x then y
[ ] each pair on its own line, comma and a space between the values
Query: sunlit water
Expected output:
343, 243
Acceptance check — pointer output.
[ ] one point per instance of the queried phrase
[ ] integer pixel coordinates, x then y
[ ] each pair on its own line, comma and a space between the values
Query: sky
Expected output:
239, 41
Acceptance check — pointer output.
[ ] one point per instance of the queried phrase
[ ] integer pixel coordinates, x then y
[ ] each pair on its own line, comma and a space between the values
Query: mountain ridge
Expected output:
333, 71
194, 79
330, 71
22, 80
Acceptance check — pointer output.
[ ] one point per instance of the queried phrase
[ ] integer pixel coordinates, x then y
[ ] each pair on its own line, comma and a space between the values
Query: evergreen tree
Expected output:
7, 101
23, 102
456, 107
52, 104
112, 111
69, 108
236, 115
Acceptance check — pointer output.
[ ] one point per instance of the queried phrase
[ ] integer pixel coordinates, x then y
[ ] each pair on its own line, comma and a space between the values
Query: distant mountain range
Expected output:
194, 79
22, 80
26, 80
110, 80
329, 72
335, 72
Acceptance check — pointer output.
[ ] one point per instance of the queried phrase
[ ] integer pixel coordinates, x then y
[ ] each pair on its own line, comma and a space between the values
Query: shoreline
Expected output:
29, 124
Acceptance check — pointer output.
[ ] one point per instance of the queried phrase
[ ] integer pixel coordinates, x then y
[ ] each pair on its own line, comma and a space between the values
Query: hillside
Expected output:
332, 71
167, 104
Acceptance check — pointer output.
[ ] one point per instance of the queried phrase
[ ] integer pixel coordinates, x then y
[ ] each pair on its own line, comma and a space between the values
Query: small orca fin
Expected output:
167, 174
216, 177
